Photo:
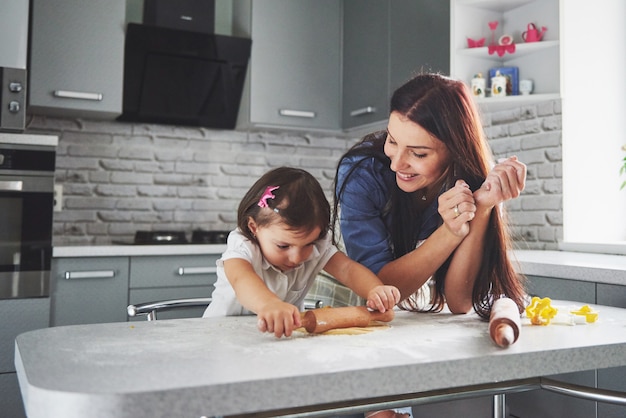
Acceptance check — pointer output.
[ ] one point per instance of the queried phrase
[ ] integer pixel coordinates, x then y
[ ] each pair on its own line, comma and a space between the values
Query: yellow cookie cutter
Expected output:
590, 315
540, 311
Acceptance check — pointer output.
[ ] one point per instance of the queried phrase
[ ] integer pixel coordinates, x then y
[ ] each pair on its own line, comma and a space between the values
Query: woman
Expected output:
422, 200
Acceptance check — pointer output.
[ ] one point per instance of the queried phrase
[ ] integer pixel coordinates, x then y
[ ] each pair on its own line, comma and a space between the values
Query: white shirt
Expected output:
291, 286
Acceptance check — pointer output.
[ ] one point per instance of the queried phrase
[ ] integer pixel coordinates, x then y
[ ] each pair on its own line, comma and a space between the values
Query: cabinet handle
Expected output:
364, 111
82, 95
297, 113
11, 185
185, 271
103, 274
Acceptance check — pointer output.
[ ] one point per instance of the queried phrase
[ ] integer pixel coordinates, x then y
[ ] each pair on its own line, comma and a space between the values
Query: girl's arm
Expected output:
274, 314
363, 282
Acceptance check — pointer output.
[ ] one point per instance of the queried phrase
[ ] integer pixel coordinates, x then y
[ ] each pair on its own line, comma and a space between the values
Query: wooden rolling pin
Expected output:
324, 319
504, 322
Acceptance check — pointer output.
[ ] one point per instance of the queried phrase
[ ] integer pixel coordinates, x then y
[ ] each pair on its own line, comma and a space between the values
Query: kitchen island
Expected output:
224, 366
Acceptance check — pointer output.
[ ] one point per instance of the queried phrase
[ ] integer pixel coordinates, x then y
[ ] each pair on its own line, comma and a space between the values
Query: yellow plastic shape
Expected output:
590, 315
540, 311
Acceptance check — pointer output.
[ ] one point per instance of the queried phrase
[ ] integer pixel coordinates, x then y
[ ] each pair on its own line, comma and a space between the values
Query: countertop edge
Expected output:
138, 250
587, 267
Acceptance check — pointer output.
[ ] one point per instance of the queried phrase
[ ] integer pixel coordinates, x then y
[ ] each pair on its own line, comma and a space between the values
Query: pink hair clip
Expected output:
267, 194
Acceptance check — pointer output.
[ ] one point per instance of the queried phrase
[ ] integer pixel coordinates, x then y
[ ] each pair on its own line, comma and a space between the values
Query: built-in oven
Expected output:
27, 165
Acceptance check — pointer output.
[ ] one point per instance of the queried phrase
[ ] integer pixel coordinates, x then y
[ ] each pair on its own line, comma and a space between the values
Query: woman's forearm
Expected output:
409, 272
465, 264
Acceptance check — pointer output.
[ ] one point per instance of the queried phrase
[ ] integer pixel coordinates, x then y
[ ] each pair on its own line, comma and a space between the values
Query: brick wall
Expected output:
533, 133
118, 178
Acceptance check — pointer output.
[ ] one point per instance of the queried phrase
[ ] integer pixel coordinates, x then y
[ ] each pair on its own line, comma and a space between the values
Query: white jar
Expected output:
525, 86
478, 85
498, 85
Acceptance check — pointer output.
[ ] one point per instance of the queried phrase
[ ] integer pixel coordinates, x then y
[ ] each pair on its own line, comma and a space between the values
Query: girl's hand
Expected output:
382, 298
278, 317
457, 207
505, 181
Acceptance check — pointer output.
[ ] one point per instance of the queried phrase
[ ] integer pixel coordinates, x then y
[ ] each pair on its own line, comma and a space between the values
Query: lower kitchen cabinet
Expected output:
10, 398
467, 408
613, 378
89, 290
172, 277
18, 316
540, 403
574, 290
544, 404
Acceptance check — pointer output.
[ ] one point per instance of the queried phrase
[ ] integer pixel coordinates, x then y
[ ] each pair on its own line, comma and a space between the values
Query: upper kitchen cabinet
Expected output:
419, 39
538, 61
77, 57
365, 62
295, 62
384, 44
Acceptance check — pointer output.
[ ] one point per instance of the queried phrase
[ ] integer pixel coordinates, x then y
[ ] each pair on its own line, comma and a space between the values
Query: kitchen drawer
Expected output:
561, 289
190, 270
89, 290
166, 293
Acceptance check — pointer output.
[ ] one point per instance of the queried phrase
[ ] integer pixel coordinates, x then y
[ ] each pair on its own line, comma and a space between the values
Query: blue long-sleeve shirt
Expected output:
365, 224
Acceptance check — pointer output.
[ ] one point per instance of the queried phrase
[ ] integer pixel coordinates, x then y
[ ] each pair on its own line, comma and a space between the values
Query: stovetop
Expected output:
198, 236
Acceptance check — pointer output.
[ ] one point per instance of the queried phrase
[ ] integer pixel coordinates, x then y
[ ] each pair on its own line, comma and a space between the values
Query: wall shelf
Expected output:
537, 61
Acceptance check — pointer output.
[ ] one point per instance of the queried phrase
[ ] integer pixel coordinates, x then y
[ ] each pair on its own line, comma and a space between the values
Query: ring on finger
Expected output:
456, 211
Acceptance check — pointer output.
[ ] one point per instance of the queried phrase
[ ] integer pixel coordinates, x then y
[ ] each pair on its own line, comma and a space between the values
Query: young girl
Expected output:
280, 245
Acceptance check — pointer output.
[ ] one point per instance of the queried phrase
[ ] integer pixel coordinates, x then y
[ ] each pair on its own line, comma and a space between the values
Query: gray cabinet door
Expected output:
77, 57
573, 290
295, 63
541, 403
18, 316
173, 271
11, 403
365, 62
173, 277
615, 377
419, 38
89, 290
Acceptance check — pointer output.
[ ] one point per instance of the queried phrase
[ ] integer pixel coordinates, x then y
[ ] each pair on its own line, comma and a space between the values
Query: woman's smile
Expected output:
411, 147
404, 176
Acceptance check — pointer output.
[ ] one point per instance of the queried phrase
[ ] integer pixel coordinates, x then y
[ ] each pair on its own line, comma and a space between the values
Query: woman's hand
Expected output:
278, 317
505, 181
457, 208
382, 298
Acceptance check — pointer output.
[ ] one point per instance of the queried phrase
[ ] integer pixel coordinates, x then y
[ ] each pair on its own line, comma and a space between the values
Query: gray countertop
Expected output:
137, 250
26, 139
222, 366
598, 268
588, 267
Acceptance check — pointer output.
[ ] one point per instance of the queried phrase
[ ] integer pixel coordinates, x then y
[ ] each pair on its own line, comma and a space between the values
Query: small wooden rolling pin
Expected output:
504, 322
323, 319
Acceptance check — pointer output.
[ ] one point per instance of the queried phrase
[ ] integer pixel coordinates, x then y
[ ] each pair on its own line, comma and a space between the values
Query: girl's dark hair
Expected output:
444, 107
299, 202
